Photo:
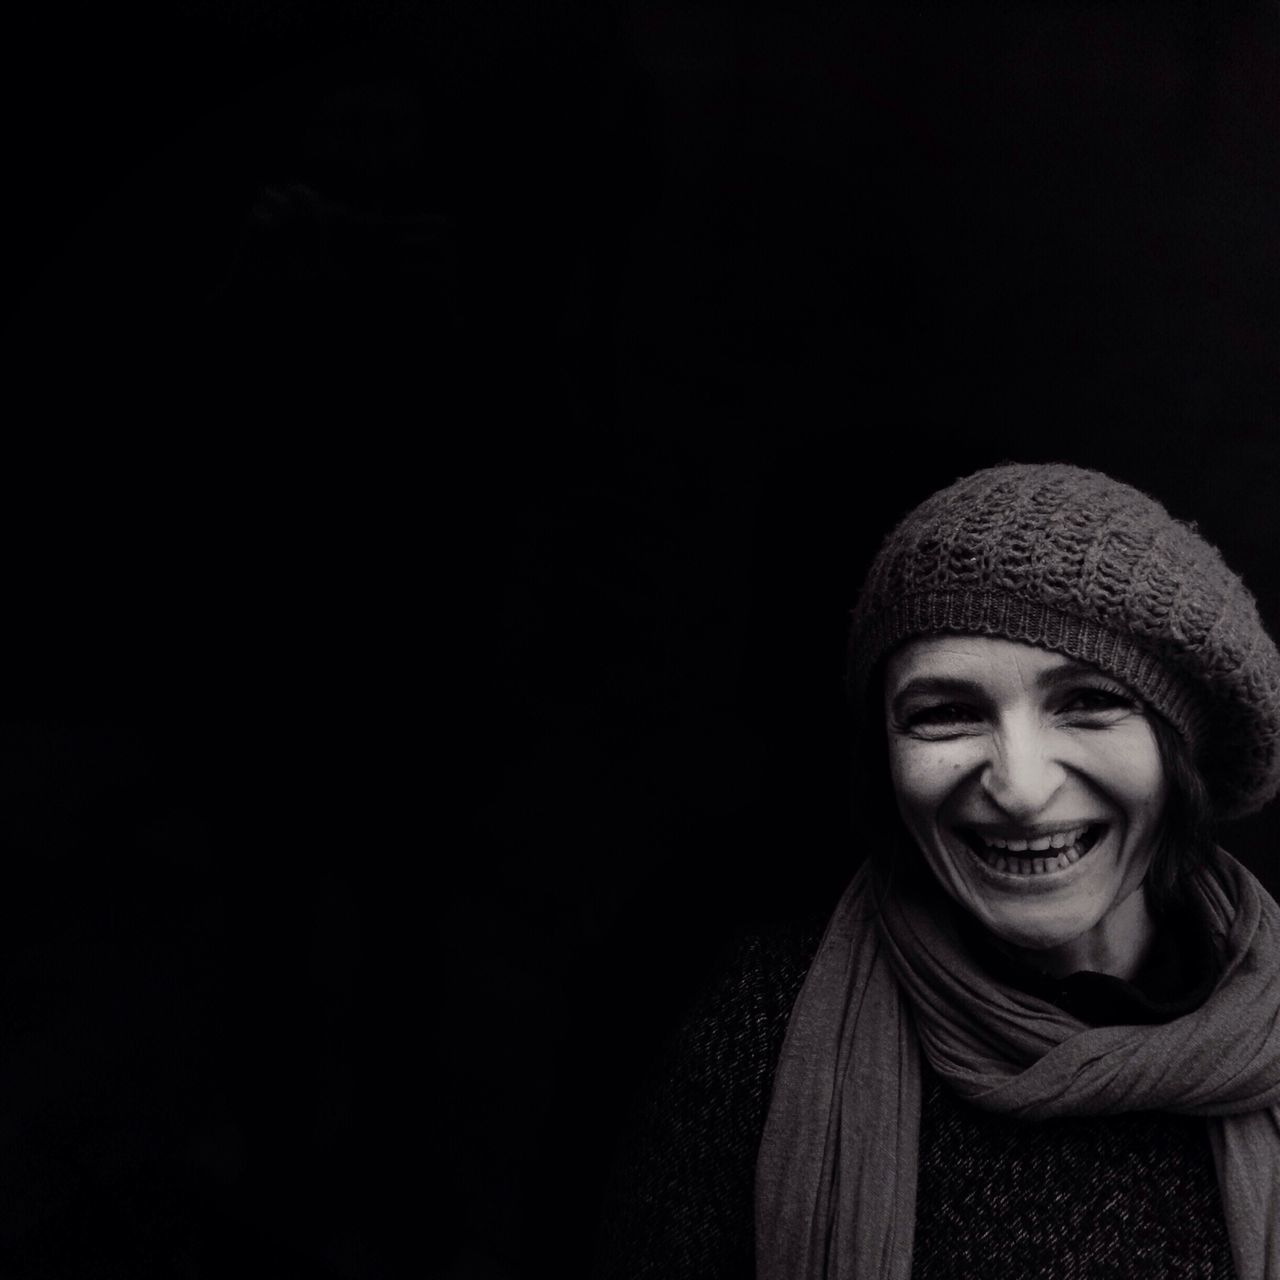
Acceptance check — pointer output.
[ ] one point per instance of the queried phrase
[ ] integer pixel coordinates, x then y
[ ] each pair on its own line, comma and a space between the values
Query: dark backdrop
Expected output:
443, 445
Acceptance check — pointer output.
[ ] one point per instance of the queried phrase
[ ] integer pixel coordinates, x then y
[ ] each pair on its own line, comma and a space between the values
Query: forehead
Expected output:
983, 660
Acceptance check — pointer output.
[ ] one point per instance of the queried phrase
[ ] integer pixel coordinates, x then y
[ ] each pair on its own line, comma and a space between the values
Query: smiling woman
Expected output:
1040, 1033
1059, 677
1033, 787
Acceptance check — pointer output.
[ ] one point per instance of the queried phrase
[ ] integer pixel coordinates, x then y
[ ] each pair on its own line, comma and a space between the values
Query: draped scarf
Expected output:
836, 1171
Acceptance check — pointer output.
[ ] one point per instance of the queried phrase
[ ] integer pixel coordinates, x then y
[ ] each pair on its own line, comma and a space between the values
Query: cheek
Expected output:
1131, 770
924, 774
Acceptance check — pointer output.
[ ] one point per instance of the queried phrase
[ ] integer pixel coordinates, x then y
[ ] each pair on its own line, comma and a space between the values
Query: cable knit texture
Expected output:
1074, 561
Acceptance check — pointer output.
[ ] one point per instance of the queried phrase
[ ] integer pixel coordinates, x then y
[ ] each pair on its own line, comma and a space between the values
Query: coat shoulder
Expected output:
680, 1201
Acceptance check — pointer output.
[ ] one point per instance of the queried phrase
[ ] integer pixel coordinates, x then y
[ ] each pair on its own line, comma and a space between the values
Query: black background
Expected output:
425, 597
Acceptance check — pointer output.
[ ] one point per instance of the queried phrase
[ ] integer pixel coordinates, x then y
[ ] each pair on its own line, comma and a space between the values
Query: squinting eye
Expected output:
950, 713
1097, 701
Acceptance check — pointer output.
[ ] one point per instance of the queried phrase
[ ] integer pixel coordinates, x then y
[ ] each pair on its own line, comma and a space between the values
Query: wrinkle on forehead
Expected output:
972, 656
1028, 671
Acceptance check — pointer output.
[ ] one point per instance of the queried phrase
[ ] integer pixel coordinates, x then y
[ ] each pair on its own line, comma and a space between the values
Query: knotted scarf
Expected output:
836, 1172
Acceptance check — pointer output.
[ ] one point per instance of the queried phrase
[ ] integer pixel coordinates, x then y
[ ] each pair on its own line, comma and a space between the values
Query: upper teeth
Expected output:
1058, 840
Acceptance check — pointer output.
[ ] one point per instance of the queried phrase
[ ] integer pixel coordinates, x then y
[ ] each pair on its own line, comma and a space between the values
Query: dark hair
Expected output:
1185, 837
874, 812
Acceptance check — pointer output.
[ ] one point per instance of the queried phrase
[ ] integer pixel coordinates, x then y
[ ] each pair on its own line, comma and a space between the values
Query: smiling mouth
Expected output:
1034, 856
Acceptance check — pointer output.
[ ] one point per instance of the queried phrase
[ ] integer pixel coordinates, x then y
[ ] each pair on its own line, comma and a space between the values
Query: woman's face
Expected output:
1033, 786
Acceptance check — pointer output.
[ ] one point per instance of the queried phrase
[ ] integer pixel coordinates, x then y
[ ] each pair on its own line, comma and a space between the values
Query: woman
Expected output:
1041, 1033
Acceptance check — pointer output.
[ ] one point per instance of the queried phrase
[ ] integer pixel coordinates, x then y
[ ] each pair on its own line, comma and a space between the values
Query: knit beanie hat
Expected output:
1074, 561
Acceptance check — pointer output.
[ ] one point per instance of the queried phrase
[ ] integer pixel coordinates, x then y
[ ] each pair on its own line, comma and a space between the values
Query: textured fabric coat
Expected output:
1132, 1195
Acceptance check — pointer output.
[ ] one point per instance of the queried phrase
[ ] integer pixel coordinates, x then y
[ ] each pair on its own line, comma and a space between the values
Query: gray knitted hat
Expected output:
1071, 560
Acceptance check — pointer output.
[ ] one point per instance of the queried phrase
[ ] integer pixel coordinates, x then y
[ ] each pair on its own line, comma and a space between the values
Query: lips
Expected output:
1033, 853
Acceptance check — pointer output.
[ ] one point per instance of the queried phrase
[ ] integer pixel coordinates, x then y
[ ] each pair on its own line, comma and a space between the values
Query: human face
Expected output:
1033, 786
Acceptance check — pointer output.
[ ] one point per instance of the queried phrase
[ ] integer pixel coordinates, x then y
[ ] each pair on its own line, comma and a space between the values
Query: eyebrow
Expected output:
1067, 670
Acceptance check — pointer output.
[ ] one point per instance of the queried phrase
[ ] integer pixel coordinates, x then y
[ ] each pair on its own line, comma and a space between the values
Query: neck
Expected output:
1118, 944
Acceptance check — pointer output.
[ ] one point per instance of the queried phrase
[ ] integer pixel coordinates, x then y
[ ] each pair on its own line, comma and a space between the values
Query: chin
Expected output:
1036, 934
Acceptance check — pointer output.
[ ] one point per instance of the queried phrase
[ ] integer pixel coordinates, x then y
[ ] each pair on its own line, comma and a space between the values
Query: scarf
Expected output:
836, 1171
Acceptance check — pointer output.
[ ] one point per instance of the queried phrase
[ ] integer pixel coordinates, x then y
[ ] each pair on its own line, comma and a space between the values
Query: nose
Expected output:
1023, 774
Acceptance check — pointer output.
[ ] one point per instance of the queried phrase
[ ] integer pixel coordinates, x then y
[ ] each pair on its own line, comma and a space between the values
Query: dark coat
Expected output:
1130, 1195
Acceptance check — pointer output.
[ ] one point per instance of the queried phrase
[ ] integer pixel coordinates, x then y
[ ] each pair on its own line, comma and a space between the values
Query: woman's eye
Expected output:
1097, 701
942, 716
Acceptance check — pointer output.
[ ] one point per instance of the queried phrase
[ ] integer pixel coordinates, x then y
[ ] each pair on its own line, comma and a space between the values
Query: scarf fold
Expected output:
836, 1172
